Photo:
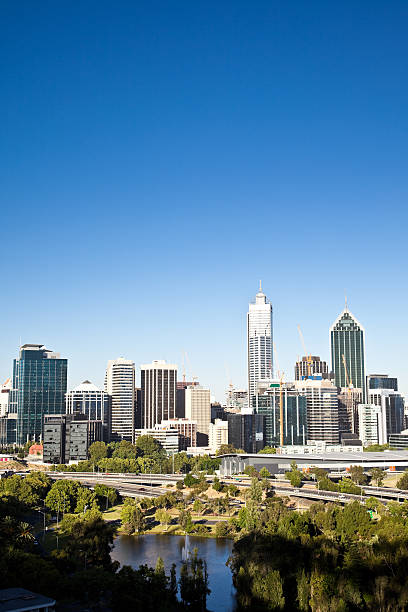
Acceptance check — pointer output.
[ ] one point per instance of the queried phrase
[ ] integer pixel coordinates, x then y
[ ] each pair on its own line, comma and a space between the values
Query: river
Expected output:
139, 550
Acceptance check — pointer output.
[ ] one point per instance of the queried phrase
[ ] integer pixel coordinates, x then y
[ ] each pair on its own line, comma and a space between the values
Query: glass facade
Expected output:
294, 416
39, 387
379, 381
347, 338
246, 431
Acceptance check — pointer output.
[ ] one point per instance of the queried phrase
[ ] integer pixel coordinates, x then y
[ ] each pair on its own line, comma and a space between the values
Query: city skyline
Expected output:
219, 389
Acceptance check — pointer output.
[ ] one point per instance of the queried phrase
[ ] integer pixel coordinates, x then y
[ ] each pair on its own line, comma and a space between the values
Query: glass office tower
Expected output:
294, 414
347, 338
260, 342
39, 387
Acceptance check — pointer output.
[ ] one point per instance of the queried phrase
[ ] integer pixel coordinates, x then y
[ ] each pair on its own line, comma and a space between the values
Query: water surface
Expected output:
138, 550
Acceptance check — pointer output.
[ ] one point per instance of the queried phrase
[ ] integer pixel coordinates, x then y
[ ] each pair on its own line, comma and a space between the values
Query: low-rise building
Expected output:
187, 431
67, 437
20, 600
168, 437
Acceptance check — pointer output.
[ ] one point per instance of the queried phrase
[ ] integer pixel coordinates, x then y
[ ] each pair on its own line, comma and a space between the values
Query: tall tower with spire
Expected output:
260, 341
347, 337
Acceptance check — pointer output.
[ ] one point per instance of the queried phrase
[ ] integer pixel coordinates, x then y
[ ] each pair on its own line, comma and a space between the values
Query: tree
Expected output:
222, 529
148, 446
255, 491
97, 451
88, 540
132, 517
357, 474
264, 473
251, 471
63, 496
198, 506
378, 475
86, 499
217, 486
180, 485
106, 496
227, 449
125, 450
194, 584
267, 450
163, 517
189, 480
295, 475
185, 521
402, 482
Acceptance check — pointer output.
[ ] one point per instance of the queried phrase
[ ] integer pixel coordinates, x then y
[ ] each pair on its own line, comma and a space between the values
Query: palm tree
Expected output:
25, 532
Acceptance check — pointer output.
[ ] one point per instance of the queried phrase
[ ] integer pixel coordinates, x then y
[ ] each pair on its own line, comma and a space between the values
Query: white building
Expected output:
237, 398
5, 389
322, 409
392, 404
260, 342
120, 385
159, 384
372, 423
187, 431
217, 435
198, 409
168, 437
88, 399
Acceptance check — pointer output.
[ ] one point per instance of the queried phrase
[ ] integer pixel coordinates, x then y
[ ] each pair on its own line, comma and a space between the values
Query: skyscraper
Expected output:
158, 383
120, 385
347, 338
322, 409
260, 342
198, 409
39, 387
91, 402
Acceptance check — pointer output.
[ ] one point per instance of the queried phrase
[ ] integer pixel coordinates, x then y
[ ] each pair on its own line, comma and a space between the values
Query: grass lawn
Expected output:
112, 514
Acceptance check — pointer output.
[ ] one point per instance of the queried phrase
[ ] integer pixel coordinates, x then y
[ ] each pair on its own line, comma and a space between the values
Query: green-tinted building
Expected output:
39, 387
347, 338
294, 414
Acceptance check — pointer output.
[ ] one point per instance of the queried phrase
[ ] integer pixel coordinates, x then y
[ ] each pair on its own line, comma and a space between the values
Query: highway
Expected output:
153, 485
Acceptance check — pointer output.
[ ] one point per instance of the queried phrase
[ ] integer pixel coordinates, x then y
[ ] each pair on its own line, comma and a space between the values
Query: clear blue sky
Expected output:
159, 158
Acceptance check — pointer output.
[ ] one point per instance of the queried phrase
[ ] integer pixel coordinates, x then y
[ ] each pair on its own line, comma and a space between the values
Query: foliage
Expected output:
376, 448
295, 476
251, 471
264, 473
267, 450
194, 584
106, 496
132, 517
125, 450
163, 517
377, 476
226, 449
97, 451
216, 485
190, 481
402, 482
357, 474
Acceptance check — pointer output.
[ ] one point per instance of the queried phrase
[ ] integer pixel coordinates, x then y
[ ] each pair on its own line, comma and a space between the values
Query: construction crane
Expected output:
348, 379
281, 377
308, 355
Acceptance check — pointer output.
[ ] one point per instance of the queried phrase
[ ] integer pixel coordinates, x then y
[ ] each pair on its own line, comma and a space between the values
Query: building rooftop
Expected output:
17, 600
86, 386
387, 457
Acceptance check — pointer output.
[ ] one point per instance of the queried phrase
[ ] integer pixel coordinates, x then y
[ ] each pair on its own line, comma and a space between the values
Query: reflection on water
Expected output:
138, 550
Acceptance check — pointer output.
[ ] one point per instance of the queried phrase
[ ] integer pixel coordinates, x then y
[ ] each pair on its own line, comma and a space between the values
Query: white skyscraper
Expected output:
120, 384
260, 342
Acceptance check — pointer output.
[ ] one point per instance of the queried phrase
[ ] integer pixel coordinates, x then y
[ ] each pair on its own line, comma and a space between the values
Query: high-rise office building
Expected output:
322, 409
392, 404
39, 387
294, 414
381, 381
246, 431
347, 338
159, 384
311, 365
349, 400
120, 385
181, 397
91, 402
260, 342
198, 409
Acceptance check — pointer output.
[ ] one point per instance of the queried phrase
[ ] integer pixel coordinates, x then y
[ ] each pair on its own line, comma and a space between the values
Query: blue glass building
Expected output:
39, 387
294, 414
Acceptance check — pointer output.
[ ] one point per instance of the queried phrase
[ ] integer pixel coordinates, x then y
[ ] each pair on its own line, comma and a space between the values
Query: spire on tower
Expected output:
260, 286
